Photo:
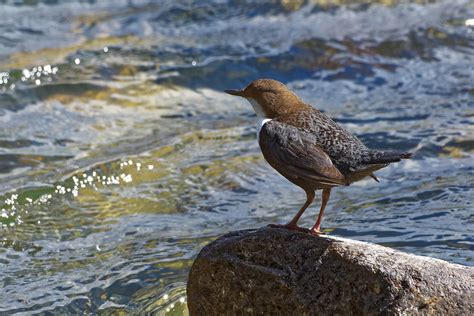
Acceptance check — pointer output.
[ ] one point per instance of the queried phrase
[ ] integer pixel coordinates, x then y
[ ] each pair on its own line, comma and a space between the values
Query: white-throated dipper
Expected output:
307, 147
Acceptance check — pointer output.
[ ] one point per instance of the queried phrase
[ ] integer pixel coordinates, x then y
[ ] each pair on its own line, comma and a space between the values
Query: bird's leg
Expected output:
292, 225
316, 228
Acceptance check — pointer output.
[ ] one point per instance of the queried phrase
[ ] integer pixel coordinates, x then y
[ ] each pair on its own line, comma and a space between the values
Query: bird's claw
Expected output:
316, 232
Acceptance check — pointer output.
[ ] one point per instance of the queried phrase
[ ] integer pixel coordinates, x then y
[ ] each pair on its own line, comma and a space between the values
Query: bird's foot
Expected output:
315, 232
290, 227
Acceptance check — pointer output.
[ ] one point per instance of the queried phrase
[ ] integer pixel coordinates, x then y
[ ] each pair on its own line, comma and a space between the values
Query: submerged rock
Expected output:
274, 271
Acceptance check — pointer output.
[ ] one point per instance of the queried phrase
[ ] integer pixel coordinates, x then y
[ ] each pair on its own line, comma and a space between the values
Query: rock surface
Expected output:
273, 271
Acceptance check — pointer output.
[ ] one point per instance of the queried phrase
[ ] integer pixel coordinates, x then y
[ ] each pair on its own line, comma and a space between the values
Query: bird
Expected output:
307, 147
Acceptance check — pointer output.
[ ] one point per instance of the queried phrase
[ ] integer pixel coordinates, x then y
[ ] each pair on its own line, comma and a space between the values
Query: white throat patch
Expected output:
261, 119
256, 107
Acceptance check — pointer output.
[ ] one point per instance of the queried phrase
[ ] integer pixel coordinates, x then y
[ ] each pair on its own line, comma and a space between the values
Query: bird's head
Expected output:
269, 98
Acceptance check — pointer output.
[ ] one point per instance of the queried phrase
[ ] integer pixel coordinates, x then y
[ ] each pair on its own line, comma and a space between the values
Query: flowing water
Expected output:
121, 157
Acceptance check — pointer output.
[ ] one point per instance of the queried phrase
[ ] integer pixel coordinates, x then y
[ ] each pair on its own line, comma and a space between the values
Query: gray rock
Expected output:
273, 271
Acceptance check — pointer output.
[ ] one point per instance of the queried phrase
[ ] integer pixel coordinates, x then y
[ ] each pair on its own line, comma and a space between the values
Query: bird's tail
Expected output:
376, 157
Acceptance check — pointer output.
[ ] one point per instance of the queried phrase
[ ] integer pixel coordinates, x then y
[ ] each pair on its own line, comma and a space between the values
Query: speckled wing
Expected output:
295, 155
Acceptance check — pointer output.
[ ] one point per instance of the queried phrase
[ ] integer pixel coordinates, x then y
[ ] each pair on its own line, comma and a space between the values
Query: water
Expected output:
142, 81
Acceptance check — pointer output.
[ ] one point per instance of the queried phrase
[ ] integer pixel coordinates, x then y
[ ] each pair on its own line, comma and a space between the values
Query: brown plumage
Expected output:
307, 147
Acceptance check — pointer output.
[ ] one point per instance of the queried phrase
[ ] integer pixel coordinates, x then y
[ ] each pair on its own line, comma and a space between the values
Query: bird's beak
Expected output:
239, 93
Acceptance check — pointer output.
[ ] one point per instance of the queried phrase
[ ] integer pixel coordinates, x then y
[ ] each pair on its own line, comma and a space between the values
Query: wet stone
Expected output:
279, 272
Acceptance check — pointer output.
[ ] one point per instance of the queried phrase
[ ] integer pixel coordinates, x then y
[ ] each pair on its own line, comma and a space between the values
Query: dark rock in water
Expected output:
274, 271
